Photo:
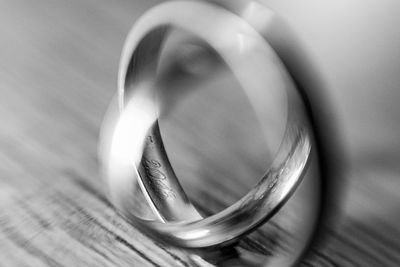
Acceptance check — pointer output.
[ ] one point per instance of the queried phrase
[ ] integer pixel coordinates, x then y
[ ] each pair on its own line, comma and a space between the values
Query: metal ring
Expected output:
125, 143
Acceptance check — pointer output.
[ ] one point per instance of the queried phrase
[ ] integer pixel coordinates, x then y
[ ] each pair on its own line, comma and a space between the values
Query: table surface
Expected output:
57, 75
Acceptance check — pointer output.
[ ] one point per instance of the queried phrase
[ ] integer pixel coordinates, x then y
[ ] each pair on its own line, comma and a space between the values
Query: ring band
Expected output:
137, 72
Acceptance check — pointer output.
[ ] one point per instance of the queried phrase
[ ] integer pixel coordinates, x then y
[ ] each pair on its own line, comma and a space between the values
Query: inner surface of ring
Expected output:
211, 133
231, 152
158, 179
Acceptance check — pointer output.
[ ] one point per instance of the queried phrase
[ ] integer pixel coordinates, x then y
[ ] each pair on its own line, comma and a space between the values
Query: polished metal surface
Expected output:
134, 138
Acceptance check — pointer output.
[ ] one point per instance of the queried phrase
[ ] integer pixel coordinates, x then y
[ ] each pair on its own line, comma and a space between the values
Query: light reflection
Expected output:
131, 130
127, 140
257, 15
194, 234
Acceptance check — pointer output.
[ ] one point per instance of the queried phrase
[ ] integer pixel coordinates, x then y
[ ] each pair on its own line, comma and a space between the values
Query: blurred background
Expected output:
58, 72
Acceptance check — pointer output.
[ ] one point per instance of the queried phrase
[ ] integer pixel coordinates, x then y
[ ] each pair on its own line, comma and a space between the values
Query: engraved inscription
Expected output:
151, 164
157, 179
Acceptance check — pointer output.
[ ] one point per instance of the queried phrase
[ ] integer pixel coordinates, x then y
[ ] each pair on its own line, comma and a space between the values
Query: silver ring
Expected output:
124, 143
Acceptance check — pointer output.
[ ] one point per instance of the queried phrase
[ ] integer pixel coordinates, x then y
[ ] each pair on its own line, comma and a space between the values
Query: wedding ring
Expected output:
132, 150
253, 62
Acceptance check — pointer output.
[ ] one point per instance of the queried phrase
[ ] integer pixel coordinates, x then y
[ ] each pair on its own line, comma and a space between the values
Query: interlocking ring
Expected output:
132, 151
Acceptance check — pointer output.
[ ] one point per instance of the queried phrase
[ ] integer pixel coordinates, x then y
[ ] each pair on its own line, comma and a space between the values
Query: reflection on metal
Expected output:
132, 150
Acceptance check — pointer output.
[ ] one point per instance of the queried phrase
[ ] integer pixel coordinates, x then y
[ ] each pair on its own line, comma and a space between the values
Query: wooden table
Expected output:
58, 64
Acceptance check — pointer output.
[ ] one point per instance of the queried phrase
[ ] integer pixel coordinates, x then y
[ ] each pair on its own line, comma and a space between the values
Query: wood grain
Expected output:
57, 75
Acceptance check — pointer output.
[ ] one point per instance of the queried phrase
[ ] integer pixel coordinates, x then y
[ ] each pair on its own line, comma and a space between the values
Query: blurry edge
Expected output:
332, 158
333, 161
